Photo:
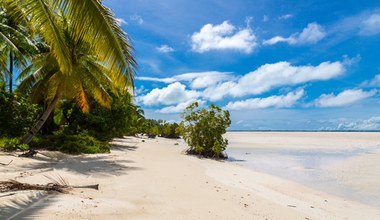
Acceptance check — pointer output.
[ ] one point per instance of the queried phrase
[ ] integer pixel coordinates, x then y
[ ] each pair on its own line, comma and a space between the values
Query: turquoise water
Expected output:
308, 167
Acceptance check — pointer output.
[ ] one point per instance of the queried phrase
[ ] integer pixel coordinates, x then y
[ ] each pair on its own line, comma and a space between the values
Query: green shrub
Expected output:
12, 144
121, 119
71, 144
17, 115
203, 130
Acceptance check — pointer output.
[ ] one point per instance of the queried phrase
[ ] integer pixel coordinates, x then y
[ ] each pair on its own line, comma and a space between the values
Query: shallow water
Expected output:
308, 167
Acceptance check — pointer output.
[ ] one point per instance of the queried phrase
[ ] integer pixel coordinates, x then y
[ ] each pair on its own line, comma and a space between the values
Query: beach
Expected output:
153, 179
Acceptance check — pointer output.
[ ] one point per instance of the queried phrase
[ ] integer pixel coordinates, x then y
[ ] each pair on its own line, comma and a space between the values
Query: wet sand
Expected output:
342, 164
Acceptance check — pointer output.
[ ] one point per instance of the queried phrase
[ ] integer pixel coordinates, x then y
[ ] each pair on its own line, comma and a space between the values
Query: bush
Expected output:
71, 144
12, 144
121, 119
202, 130
17, 115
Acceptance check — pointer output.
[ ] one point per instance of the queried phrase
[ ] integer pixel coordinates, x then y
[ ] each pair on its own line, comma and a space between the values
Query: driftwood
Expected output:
12, 185
30, 153
6, 164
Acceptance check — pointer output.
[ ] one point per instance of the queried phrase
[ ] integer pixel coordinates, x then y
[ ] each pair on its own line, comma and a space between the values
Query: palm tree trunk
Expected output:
33, 131
10, 72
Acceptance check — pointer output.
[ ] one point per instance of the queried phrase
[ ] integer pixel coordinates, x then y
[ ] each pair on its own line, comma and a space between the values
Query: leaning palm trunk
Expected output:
33, 131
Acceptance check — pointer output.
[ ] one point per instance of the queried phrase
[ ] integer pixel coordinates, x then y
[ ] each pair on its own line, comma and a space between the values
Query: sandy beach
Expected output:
154, 179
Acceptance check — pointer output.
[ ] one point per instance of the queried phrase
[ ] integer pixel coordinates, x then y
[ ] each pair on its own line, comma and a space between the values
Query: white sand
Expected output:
155, 180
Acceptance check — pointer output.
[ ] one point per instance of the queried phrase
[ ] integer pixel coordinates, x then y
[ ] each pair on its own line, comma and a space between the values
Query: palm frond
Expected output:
44, 20
96, 24
82, 100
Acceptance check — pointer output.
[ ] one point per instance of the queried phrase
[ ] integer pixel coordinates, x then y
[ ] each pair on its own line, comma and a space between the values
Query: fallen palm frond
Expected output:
13, 185
59, 185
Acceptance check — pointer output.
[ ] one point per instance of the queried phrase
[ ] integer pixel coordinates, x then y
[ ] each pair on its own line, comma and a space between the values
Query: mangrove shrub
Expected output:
203, 129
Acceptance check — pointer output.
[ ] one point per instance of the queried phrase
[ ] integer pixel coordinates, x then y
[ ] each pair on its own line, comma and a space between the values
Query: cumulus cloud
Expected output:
309, 35
224, 36
283, 101
285, 17
121, 21
197, 80
136, 18
347, 97
270, 76
371, 25
165, 49
172, 94
179, 107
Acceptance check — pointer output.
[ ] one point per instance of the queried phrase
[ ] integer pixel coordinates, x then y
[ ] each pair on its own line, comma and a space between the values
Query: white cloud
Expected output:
270, 76
223, 37
137, 18
285, 17
277, 39
371, 25
368, 124
121, 21
309, 35
172, 94
283, 101
197, 80
165, 49
347, 97
180, 107
375, 82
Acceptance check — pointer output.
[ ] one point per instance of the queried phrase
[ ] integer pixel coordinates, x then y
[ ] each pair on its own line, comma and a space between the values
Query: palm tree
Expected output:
87, 50
91, 22
16, 45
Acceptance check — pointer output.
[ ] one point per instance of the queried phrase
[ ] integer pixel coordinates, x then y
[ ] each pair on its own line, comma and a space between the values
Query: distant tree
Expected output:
203, 129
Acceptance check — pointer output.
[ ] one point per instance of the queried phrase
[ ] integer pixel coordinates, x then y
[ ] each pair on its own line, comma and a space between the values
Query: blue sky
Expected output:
274, 64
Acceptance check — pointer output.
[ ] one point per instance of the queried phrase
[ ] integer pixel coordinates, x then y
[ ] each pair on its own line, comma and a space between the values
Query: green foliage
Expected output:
122, 118
217, 148
199, 149
17, 115
202, 130
71, 144
160, 128
23, 147
12, 144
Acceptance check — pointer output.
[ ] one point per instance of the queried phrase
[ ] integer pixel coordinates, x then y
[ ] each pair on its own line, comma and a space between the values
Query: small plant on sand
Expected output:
203, 129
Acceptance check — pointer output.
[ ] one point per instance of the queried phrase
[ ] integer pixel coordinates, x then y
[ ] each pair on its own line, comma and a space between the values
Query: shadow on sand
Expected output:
25, 204
23, 207
108, 164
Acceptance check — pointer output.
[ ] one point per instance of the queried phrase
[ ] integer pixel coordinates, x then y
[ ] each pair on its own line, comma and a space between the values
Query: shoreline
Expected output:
155, 180
341, 164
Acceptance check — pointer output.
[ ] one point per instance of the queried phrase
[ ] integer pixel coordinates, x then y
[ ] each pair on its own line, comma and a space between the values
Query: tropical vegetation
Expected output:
203, 129
71, 56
